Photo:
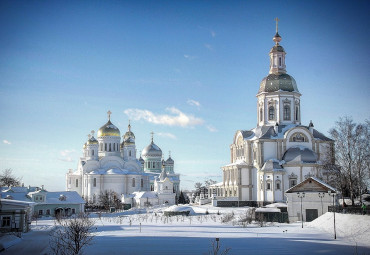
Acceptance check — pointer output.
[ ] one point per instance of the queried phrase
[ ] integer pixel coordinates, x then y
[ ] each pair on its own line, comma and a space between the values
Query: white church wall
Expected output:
245, 176
269, 149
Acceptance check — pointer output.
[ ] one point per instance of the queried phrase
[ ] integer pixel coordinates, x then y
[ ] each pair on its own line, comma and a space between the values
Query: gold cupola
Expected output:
109, 129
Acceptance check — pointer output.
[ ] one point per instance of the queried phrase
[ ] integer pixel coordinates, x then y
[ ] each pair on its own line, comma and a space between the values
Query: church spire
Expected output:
277, 54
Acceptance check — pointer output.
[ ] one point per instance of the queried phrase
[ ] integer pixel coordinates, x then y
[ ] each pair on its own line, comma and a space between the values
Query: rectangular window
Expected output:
5, 221
94, 182
142, 183
76, 183
73, 210
268, 186
48, 212
278, 185
293, 182
40, 212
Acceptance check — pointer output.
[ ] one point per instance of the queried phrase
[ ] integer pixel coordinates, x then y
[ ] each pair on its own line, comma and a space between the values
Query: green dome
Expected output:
278, 82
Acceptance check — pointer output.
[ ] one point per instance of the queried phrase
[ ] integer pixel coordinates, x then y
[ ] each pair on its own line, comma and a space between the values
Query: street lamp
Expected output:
301, 195
321, 195
333, 195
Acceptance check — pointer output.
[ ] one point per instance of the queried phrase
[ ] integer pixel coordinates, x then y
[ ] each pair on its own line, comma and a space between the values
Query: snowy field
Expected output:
149, 232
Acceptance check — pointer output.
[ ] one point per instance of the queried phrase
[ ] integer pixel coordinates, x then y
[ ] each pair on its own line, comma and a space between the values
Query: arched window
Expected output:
286, 112
92, 152
105, 145
142, 182
110, 147
101, 146
129, 153
296, 113
76, 183
277, 185
280, 61
271, 113
94, 182
133, 182
261, 114
151, 188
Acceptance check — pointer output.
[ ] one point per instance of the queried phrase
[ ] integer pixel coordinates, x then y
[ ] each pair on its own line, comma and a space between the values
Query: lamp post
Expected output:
301, 196
333, 195
321, 195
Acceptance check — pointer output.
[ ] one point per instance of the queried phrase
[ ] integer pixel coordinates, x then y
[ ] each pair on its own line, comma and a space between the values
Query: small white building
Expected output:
164, 193
312, 197
15, 215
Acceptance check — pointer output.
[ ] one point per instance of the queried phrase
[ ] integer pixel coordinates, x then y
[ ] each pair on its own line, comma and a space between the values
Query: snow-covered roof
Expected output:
271, 209
268, 132
70, 197
275, 205
145, 194
299, 186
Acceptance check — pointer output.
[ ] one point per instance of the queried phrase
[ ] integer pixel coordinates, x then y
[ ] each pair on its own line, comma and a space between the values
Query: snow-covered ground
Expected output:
141, 232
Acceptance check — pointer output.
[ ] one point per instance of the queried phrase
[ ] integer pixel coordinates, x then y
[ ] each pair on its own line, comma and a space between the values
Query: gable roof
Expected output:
311, 184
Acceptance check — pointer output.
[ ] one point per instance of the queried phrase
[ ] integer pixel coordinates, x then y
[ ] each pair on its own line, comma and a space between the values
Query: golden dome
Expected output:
108, 130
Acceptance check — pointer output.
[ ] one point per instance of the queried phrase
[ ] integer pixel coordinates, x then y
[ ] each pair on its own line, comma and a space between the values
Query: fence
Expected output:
349, 209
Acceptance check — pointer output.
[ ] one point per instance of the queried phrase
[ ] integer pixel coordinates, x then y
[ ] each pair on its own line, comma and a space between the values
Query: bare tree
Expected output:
108, 198
198, 185
7, 178
352, 154
72, 235
209, 182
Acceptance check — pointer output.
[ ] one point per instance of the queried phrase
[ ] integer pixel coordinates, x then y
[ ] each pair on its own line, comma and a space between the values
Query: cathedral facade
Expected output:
279, 152
112, 165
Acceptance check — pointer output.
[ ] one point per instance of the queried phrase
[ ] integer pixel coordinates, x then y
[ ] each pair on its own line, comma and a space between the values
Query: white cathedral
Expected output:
108, 164
277, 154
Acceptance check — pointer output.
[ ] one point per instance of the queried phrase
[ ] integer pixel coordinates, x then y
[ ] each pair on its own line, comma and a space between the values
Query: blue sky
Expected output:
186, 70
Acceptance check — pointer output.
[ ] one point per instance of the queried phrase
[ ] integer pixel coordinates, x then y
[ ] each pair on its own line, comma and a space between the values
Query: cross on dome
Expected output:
92, 132
152, 133
109, 113
277, 21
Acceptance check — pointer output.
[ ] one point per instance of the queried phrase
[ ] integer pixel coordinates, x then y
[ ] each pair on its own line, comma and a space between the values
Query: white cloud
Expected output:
208, 46
178, 118
213, 33
6, 142
168, 135
189, 57
212, 128
67, 155
193, 103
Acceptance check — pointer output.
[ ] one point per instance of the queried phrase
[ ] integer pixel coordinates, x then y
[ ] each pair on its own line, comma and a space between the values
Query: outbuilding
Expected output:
309, 199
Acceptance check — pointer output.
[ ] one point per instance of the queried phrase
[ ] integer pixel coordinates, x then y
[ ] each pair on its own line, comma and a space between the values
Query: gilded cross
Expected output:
109, 113
152, 133
277, 21
92, 132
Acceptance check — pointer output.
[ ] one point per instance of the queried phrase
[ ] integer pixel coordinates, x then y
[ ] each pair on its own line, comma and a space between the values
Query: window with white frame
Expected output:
47, 211
40, 212
278, 185
268, 185
5, 221
271, 113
